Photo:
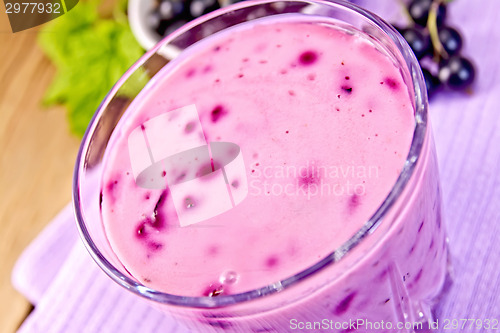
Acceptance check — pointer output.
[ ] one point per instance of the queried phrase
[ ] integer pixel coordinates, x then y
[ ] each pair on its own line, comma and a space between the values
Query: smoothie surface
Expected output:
306, 126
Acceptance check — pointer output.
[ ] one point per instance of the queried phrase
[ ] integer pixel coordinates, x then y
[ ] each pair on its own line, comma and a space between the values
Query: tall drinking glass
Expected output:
270, 167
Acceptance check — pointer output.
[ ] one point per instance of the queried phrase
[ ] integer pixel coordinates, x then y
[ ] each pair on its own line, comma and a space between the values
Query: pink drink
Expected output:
297, 130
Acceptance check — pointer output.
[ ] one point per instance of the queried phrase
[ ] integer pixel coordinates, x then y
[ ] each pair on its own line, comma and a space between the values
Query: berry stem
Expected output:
406, 12
439, 51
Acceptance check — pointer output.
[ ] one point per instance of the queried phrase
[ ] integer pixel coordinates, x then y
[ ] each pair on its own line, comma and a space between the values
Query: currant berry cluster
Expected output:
169, 15
431, 38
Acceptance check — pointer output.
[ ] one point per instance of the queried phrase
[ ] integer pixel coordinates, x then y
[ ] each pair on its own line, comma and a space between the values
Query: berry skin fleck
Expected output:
418, 276
393, 84
308, 58
152, 224
155, 246
213, 290
158, 219
220, 324
216, 320
343, 306
213, 250
111, 186
347, 89
382, 275
354, 201
141, 230
207, 69
421, 226
217, 113
180, 177
272, 261
205, 169
308, 180
189, 127
190, 72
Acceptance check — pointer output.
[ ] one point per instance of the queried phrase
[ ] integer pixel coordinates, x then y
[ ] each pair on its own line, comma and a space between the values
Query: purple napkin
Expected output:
71, 294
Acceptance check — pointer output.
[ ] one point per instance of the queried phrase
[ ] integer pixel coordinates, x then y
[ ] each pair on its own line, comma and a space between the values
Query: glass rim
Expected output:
418, 138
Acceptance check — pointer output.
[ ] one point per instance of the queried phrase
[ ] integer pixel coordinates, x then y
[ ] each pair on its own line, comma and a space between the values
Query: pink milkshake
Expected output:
253, 166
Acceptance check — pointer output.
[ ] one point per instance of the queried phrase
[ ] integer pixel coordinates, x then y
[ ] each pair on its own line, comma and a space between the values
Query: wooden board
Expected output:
37, 155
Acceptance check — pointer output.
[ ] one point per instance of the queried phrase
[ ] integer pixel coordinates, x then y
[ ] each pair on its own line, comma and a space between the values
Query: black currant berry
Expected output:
201, 7
170, 9
167, 14
153, 21
451, 40
419, 12
457, 73
419, 42
174, 25
164, 24
431, 82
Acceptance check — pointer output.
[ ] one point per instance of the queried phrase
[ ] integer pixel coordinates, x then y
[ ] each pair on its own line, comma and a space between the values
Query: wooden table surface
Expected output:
37, 154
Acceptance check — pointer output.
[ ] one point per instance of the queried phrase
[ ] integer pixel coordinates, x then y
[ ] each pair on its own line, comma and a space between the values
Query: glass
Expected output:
390, 271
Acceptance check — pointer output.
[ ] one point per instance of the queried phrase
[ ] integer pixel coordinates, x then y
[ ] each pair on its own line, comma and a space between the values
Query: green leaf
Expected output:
90, 54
